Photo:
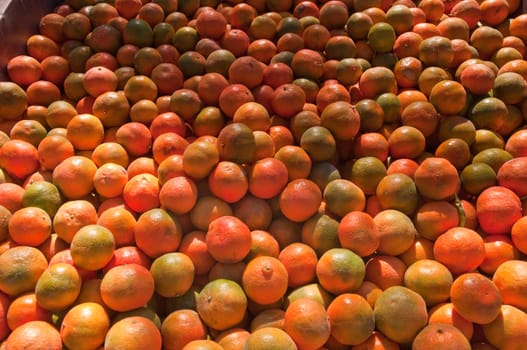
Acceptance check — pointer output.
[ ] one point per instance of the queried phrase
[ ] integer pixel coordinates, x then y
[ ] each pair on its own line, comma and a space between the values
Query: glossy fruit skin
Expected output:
325, 150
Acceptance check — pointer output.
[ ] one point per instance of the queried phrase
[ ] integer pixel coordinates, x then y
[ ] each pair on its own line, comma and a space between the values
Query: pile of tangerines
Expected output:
266, 174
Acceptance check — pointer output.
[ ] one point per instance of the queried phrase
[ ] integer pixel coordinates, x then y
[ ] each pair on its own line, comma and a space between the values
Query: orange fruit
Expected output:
32, 333
350, 312
228, 181
390, 319
24, 70
508, 280
381, 37
85, 326
297, 161
433, 218
429, 278
110, 152
176, 266
181, 327
127, 287
269, 338
517, 234
178, 194
272, 317
255, 212
406, 142
399, 192
300, 260
429, 185
53, 149
112, 109
267, 177
263, 244
476, 298
287, 100
135, 332
486, 39
207, 209
157, 231
92, 247
505, 330
340, 270
265, 280
221, 294
320, 231
498, 202
448, 97
509, 175
300, 199
357, 231
141, 192
30, 226
445, 313
223, 245
437, 335
19, 158
199, 158
58, 287
110, 179
74, 176
498, 249
20, 270
23, 309
127, 255
377, 340
342, 196
306, 321
460, 239
382, 272
396, 231
307, 63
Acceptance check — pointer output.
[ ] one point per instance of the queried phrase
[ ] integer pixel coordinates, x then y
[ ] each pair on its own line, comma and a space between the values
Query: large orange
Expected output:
507, 278
23, 309
461, 249
85, 326
270, 338
437, 335
436, 178
74, 176
357, 231
505, 330
170, 267
265, 280
350, 312
58, 287
135, 332
306, 321
396, 231
400, 314
181, 327
157, 231
223, 245
92, 247
20, 270
300, 199
429, 278
476, 298
339, 270
217, 297
35, 332
497, 209
127, 287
